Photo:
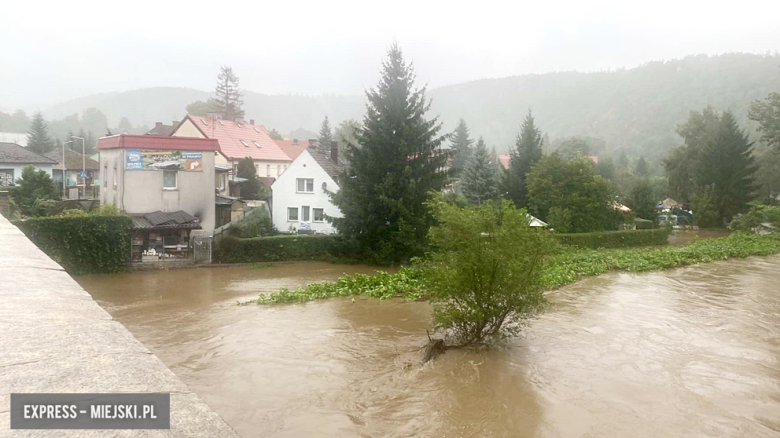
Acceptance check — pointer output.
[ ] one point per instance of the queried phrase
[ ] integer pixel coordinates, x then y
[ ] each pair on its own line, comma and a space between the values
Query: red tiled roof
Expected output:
504, 159
126, 141
292, 150
259, 145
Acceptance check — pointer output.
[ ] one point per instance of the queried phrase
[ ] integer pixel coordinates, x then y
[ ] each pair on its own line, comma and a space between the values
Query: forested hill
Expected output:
636, 109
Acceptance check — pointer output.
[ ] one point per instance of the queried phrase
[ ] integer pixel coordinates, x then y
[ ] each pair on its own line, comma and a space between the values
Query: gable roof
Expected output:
72, 160
331, 168
504, 160
161, 129
127, 141
13, 153
292, 148
238, 140
158, 220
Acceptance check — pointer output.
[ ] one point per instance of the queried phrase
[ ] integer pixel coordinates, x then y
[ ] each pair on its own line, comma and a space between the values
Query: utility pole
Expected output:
64, 190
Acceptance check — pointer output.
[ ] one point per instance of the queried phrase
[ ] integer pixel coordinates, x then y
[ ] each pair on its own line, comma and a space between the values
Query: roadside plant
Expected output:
484, 275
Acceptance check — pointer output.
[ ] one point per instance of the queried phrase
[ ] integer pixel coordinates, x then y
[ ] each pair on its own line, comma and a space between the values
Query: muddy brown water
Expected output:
691, 352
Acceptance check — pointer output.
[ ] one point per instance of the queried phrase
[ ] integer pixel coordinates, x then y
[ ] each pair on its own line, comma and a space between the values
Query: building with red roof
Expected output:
504, 160
293, 147
237, 140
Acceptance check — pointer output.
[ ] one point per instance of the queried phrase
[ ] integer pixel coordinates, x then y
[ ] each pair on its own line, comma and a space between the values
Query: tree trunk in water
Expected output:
434, 348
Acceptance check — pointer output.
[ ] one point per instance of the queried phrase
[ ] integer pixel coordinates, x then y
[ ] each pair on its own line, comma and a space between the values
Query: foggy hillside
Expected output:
636, 109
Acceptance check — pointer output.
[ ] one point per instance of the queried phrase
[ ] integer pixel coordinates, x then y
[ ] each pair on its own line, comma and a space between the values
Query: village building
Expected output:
163, 130
300, 202
77, 187
166, 184
237, 140
293, 148
13, 158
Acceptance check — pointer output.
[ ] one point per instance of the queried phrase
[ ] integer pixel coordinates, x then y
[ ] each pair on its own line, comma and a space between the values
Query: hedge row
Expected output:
615, 239
82, 243
278, 248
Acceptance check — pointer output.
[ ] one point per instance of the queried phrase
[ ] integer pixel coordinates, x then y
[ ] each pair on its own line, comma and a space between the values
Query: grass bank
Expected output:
568, 265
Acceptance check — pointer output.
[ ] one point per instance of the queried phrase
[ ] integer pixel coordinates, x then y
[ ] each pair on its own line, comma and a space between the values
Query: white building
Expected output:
300, 199
14, 158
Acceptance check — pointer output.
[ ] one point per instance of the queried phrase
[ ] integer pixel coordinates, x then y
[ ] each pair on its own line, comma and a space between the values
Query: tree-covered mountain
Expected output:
637, 110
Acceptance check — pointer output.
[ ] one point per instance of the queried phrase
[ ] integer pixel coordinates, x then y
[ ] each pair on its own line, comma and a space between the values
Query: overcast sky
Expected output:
57, 50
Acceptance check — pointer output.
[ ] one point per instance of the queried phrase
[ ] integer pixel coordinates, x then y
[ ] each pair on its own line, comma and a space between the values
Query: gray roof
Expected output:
13, 153
331, 168
158, 220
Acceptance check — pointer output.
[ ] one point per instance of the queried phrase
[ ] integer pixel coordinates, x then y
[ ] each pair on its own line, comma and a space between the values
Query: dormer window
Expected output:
244, 143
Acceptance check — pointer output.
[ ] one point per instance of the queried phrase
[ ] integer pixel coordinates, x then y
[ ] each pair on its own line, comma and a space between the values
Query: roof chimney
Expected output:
295, 142
251, 121
334, 152
313, 143
157, 124
174, 124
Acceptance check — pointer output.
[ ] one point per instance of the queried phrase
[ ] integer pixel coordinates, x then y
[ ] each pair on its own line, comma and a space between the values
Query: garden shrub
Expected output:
615, 239
644, 224
278, 248
82, 243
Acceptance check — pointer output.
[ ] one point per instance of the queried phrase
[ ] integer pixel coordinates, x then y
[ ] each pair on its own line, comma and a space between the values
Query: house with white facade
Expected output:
13, 158
300, 194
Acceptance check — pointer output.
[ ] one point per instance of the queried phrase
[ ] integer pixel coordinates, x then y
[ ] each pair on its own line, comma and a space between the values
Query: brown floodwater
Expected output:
681, 237
691, 352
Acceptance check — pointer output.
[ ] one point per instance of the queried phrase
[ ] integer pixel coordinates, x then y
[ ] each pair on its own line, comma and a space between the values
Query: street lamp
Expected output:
64, 190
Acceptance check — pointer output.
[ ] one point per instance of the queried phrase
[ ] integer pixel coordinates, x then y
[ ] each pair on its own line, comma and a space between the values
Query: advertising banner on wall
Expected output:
141, 159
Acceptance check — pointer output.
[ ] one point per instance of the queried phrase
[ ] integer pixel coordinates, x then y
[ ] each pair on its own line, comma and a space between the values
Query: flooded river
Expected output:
693, 352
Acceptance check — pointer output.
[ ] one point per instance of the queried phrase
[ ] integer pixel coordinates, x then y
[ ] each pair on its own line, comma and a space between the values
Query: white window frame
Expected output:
305, 185
314, 215
278, 169
243, 142
175, 179
12, 181
289, 218
305, 211
267, 170
256, 143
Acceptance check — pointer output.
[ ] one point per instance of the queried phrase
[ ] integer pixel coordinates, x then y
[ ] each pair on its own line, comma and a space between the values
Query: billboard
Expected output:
142, 159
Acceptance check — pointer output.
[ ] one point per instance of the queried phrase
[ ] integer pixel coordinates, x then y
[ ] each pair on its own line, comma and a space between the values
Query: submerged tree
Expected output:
398, 162
527, 152
228, 97
480, 180
38, 139
460, 147
485, 276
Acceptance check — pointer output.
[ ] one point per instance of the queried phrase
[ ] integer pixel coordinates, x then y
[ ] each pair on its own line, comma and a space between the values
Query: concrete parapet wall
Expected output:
55, 338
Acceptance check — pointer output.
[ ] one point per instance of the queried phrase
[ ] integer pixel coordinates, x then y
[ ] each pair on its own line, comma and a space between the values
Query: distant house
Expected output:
293, 147
19, 138
300, 198
163, 130
504, 160
237, 140
72, 169
13, 158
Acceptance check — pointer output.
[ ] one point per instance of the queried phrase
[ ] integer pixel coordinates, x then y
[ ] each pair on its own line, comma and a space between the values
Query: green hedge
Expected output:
644, 224
278, 248
82, 243
615, 239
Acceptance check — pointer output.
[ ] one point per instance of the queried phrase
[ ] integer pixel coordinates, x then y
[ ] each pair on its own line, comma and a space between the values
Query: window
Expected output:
305, 213
220, 122
220, 181
240, 126
243, 142
305, 185
115, 178
292, 214
6, 177
278, 169
256, 130
169, 180
256, 143
267, 170
105, 175
204, 122
319, 215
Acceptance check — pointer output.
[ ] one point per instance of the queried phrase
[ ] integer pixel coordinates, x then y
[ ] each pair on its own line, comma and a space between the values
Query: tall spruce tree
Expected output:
461, 147
641, 167
398, 162
38, 139
228, 98
480, 180
325, 137
527, 152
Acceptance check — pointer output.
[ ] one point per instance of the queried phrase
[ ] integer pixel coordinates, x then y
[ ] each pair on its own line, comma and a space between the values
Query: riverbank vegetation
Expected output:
564, 266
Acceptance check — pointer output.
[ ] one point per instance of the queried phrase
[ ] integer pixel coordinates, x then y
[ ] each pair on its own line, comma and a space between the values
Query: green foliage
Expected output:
38, 139
279, 248
615, 239
228, 97
81, 242
705, 209
768, 176
325, 137
406, 283
571, 147
767, 114
526, 153
754, 219
642, 201
578, 198
480, 179
570, 265
274, 134
34, 192
641, 167
256, 223
461, 147
252, 188
398, 162
201, 108
484, 276
644, 224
